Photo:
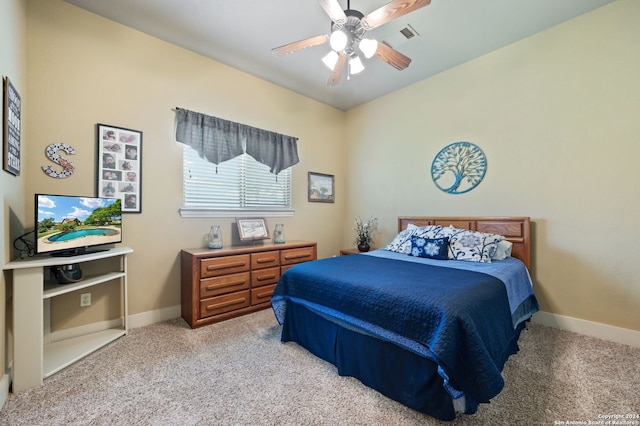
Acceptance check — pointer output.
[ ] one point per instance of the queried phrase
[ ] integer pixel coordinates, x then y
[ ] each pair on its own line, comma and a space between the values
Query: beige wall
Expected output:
557, 117
12, 65
83, 70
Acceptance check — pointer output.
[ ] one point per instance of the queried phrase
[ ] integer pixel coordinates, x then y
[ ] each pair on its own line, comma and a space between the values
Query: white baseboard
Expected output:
588, 328
152, 317
138, 320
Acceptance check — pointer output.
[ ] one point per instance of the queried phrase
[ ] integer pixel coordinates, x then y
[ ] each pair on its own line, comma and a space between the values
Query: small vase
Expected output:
215, 237
278, 235
363, 247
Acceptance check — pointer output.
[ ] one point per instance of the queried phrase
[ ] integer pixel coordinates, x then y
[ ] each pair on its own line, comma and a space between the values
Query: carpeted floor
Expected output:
239, 373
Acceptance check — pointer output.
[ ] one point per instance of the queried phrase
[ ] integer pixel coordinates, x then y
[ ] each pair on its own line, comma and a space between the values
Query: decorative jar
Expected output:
215, 237
278, 234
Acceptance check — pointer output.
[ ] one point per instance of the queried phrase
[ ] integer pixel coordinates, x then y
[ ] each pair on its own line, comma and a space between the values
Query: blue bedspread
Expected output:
510, 271
460, 319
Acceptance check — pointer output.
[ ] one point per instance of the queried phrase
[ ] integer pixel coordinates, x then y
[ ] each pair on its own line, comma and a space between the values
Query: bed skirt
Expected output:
389, 369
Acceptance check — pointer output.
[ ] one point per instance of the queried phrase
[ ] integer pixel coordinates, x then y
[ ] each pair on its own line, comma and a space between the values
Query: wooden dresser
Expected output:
229, 282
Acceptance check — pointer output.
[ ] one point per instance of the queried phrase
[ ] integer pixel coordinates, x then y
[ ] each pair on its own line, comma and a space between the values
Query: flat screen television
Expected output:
69, 225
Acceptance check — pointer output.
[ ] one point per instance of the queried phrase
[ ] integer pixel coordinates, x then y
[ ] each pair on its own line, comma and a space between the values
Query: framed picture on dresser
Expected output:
252, 228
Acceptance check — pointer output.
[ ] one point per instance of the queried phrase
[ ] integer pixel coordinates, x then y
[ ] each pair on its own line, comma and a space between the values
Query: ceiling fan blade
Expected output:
392, 57
391, 11
299, 45
336, 74
334, 10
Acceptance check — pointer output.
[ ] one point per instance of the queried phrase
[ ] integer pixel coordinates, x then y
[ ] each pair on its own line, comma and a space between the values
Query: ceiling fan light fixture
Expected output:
330, 60
355, 65
368, 47
338, 40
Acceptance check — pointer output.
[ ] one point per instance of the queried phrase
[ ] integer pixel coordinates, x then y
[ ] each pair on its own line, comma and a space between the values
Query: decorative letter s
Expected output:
67, 166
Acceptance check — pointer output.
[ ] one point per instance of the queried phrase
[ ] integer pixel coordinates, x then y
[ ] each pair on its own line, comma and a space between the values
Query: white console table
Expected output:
33, 359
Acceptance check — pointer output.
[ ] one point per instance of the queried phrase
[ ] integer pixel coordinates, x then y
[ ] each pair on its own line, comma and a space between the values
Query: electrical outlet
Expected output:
85, 299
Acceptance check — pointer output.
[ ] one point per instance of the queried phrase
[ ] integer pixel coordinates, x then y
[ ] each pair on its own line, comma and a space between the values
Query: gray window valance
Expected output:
219, 140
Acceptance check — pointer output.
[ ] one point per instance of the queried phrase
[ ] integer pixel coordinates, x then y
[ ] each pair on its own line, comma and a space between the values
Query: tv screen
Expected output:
69, 225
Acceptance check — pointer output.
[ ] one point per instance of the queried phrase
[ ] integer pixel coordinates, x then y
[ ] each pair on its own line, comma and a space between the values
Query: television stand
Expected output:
35, 360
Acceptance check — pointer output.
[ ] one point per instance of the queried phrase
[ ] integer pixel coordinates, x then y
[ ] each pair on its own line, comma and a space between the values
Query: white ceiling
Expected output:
241, 33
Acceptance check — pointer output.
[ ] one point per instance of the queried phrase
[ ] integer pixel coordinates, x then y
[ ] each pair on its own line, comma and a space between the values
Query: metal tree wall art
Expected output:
458, 167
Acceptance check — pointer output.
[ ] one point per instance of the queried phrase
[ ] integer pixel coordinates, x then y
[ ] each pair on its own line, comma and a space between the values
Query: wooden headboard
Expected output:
515, 229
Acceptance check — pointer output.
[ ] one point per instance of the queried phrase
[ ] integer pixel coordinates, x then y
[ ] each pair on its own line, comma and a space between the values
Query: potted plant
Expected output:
364, 233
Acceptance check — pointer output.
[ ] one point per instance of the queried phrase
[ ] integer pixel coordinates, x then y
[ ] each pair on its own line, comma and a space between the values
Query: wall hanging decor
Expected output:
52, 154
458, 167
120, 166
11, 128
321, 188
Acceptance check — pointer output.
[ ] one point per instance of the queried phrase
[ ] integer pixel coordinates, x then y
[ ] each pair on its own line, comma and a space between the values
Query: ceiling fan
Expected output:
348, 30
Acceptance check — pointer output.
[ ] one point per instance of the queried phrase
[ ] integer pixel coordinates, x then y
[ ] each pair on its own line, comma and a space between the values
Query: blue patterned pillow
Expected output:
402, 242
433, 248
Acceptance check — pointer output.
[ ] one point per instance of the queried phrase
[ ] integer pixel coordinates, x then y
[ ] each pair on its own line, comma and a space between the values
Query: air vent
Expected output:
402, 36
406, 31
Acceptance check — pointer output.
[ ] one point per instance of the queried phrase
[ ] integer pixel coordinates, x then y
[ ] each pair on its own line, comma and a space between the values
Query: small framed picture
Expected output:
252, 228
120, 166
321, 188
11, 108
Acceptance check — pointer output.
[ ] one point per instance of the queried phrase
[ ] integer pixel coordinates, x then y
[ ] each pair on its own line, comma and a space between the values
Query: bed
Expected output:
430, 332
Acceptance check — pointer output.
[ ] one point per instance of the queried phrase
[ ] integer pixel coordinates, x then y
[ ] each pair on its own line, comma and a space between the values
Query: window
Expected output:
239, 186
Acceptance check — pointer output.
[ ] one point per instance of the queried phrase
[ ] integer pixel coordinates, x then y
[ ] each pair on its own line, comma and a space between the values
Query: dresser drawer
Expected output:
225, 284
221, 304
224, 265
262, 294
297, 255
265, 259
265, 276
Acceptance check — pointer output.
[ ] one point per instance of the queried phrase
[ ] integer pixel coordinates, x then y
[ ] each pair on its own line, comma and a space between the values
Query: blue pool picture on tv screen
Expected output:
68, 225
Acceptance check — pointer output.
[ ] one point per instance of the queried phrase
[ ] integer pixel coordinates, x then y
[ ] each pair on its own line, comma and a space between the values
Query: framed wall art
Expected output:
321, 188
120, 166
252, 228
11, 124
458, 167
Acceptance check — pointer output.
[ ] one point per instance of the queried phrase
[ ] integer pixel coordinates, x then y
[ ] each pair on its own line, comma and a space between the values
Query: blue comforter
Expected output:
458, 318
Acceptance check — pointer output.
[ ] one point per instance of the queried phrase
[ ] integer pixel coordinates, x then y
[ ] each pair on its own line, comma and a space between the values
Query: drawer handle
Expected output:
264, 295
214, 286
267, 260
226, 265
297, 256
225, 304
266, 277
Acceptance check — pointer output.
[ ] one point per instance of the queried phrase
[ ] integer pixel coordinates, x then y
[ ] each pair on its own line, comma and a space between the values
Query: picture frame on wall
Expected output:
120, 166
252, 228
321, 188
11, 125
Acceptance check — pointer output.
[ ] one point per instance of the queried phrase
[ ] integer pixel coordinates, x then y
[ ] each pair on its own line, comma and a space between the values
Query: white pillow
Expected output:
472, 246
503, 251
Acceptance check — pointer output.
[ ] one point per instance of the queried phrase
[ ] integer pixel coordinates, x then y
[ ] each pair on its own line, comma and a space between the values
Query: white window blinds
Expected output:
240, 185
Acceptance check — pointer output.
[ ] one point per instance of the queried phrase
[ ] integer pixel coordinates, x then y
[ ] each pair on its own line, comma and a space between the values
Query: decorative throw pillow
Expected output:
473, 246
433, 248
402, 242
503, 250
